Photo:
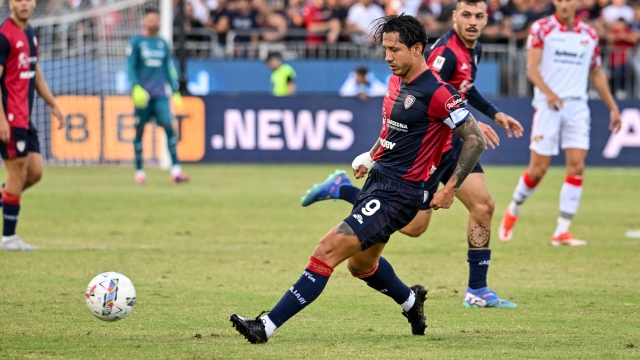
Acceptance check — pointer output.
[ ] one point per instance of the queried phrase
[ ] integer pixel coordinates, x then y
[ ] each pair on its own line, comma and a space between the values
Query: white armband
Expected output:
363, 159
456, 117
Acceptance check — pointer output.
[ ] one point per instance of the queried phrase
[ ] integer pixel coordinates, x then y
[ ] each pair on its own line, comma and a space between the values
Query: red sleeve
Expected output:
4, 49
596, 61
536, 37
447, 106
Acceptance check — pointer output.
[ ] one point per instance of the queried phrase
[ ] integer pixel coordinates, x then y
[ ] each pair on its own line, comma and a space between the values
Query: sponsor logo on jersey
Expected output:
19, 44
397, 125
453, 102
408, 101
438, 63
27, 74
566, 53
21, 145
387, 144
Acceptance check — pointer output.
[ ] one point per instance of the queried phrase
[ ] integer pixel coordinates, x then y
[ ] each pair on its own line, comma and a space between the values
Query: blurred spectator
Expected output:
359, 20
363, 84
621, 39
519, 16
589, 10
635, 25
283, 77
243, 20
193, 29
295, 18
618, 10
396, 7
319, 20
495, 19
219, 21
200, 10
426, 16
445, 17
274, 27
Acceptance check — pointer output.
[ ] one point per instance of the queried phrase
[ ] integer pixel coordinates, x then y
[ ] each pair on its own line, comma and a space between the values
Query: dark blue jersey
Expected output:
417, 118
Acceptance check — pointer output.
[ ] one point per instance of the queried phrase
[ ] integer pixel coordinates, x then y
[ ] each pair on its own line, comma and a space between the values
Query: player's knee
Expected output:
34, 177
415, 230
483, 210
575, 168
537, 172
361, 268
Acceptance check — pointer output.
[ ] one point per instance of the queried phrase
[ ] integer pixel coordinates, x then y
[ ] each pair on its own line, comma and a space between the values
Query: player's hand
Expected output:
443, 198
554, 101
56, 112
177, 100
5, 134
489, 135
616, 123
140, 96
362, 164
509, 124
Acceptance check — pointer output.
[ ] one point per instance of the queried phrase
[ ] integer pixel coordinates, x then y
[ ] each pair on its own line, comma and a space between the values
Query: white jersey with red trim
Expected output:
568, 54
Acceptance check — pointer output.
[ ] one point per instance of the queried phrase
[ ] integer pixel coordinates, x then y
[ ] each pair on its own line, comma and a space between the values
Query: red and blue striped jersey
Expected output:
417, 118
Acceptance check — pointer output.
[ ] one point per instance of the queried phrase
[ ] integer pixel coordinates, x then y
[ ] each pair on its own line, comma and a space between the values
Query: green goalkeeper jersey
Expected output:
149, 65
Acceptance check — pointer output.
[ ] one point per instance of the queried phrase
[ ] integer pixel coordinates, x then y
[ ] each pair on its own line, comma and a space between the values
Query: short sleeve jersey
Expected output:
18, 56
568, 54
417, 118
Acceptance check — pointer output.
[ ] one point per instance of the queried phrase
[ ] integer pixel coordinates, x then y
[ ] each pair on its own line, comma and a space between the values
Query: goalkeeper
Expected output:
150, 69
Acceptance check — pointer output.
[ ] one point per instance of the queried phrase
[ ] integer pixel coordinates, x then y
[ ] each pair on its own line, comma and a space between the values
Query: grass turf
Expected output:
236, 238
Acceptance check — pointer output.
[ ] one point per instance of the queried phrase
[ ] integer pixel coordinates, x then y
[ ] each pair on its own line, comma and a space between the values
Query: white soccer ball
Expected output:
110, 296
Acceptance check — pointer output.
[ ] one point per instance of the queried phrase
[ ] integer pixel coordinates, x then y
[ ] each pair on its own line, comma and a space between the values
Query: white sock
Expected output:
523, 190
269, 326
407, 305
140, 173
8, 238
562, 225
176, 170
570, 195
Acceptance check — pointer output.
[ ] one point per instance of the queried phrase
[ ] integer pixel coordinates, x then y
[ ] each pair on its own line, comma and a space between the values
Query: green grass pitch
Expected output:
236, 238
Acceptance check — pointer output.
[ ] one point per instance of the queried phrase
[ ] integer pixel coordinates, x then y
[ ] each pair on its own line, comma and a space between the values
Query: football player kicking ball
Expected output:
20, 74
455, 57
149, 68
563, 53
394, 190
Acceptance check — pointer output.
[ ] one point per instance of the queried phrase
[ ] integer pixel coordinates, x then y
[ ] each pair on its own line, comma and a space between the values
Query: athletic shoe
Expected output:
566, 239
485, 298
505, 232
14, 243
415, 315
141, 179
252, 329
329, 189
180, 178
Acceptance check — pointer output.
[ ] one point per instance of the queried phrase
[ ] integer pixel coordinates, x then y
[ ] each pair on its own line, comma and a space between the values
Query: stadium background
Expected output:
231, 115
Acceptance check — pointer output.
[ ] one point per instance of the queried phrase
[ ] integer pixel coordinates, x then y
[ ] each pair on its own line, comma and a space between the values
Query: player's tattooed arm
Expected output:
344, 229
474, 145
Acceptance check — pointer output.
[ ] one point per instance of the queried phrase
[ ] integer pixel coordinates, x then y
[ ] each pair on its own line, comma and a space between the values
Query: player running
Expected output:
150, 68
20, 75
455, 57
418, 115
562, 53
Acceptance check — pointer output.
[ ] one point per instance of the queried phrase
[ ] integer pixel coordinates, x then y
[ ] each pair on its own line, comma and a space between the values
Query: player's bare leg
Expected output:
419, 224
570, 198
16, 179
538, 165
34, 170
474, 195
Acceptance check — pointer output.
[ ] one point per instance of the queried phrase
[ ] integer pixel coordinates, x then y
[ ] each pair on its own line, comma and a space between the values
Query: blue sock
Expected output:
479, 261
349, 193
10, 212
385, 280
303, 292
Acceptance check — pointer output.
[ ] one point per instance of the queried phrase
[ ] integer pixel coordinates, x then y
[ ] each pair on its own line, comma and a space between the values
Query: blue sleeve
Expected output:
481, 104
170, 70
133, 54
4, 49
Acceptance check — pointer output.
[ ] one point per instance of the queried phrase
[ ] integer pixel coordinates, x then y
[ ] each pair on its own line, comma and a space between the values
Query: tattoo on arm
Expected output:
344, 229
474, 144
479, 236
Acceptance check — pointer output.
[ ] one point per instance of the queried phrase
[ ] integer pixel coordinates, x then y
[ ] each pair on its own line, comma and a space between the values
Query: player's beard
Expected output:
153, 30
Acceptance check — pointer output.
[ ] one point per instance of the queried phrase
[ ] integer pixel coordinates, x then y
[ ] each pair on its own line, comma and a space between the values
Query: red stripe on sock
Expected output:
366, 275
527, 180
9, 198
573, 180
319, 267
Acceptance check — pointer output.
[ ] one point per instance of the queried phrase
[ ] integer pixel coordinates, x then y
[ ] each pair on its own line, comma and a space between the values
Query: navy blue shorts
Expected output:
385, 205
443, 173
21, 142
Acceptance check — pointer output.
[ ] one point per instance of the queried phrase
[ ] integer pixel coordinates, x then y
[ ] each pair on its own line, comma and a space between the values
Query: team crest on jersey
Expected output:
21, 145
584, 42
538, 138
438, 62
408, 101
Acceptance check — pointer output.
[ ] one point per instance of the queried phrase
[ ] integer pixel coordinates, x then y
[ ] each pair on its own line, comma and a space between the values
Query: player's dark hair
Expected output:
274, 55
410, 30
362, 70
151, 10
470, 2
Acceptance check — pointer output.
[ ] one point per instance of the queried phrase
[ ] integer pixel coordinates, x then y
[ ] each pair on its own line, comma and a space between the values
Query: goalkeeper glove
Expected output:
177, 100
140, 96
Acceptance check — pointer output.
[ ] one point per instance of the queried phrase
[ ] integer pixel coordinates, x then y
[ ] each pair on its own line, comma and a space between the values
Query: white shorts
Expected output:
568, 127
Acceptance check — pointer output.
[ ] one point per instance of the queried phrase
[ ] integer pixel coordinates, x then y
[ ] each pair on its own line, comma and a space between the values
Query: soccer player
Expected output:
455, 57
562, 54
418, 114
283, 77
20, 75
150, 68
